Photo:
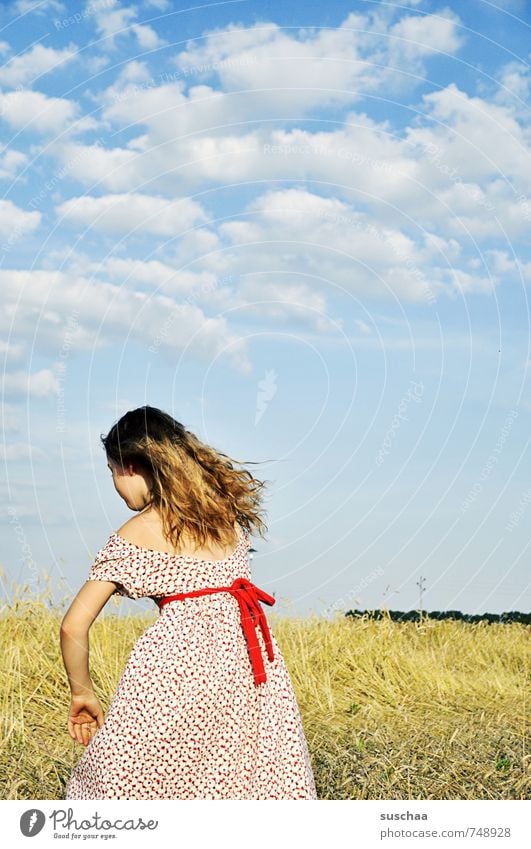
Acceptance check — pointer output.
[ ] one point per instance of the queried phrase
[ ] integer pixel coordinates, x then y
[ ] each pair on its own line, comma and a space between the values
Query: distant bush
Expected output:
418, 616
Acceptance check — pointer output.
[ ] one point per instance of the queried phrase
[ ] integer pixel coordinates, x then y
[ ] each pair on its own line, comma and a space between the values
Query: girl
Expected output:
205, 707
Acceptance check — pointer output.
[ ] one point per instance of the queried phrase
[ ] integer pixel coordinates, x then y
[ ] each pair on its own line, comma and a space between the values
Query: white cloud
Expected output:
282, 299
94, 64
340, 249
292, 248
11, 417
168, 112
28, 67
135, 71
514, 84
434, 175
159, 275
362, 327
416, 36
506, 265
11, 161
10, 350
121, 213
43, 306
320, 66
514, 5
40, 384
34, 111
477, 137
450, 173
19, 451
464, 282
111, 20
14, 222
180, 148
420, 203
113, 168
40, 7
146, 36
501, 261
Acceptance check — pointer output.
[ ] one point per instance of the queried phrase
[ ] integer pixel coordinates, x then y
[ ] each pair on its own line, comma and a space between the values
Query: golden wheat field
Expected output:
430, 710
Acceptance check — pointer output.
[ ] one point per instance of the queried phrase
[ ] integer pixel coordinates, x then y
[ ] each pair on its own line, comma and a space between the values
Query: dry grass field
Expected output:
430, 710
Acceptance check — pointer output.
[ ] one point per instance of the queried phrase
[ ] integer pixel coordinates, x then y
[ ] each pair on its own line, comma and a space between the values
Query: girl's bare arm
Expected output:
74, 632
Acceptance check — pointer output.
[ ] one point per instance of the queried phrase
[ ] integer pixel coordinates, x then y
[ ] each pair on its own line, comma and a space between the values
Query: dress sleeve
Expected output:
113, 563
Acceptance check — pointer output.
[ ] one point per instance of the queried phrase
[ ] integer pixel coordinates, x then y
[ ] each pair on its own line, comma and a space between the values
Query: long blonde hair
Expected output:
195, 488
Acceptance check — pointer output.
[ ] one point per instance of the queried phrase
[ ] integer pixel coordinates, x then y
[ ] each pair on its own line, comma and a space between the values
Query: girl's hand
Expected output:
84, 719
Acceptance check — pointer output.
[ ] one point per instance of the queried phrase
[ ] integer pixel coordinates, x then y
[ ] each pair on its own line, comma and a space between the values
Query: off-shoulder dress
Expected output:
188, 719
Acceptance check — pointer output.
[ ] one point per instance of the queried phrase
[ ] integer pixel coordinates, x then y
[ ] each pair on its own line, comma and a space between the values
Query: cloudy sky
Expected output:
303, 230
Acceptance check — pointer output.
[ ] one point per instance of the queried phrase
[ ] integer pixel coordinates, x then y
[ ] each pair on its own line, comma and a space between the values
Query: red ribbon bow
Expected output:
248, 596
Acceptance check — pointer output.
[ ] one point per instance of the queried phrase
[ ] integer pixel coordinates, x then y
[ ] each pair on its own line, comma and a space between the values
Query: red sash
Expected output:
248, 596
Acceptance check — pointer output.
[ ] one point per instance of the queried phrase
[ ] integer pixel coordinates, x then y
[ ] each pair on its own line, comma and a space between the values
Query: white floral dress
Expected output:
188, 720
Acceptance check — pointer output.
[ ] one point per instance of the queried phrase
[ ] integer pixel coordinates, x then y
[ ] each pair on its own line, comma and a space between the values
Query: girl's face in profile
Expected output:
130, 485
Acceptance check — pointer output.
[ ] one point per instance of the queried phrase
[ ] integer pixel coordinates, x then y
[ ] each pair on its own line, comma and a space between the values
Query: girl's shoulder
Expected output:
148, 538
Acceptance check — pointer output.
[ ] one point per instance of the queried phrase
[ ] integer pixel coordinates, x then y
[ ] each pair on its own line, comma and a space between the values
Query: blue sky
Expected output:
301, 229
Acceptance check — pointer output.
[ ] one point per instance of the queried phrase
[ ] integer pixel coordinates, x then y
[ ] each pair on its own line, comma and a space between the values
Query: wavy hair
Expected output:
195, 488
